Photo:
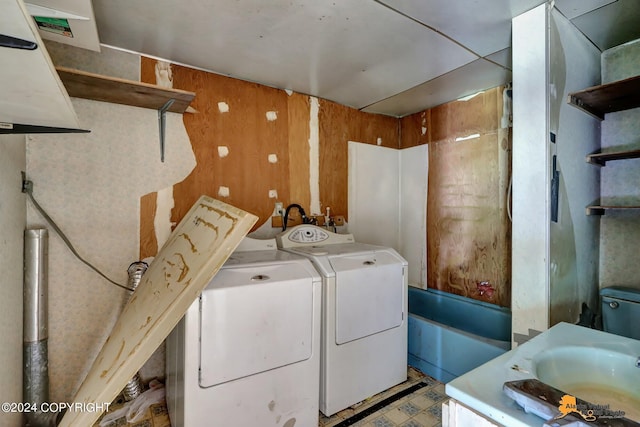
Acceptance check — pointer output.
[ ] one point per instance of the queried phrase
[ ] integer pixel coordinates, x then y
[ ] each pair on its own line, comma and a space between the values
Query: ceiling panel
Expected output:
360, 53
467, 80
575, 8
611, 25
352, 52
502, 57
482, 26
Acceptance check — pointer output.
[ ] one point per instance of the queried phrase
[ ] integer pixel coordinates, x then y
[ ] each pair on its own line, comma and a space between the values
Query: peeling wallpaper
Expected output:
91, 185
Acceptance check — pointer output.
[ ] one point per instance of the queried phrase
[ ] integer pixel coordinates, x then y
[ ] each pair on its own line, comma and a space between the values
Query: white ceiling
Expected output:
394, 57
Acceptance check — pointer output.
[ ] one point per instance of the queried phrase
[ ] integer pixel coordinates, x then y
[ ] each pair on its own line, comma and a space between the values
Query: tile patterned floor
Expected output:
421, 408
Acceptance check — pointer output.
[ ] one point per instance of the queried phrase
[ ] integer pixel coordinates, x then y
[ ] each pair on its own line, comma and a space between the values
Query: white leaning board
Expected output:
193, 254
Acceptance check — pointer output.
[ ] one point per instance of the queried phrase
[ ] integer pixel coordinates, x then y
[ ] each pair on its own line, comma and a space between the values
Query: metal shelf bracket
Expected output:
161, 124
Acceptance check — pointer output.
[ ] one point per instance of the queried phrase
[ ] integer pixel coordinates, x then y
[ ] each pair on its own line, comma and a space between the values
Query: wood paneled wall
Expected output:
251, 137
338, 126
468, 230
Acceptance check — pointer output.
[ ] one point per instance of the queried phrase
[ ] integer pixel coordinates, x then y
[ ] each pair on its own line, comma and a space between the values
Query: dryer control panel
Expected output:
303, 235
308, 235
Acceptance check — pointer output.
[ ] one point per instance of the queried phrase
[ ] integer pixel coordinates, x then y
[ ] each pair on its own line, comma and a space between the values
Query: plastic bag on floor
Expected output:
138, 406
111, 417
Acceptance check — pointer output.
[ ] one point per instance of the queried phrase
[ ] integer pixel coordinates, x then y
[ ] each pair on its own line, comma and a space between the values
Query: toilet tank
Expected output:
621, 311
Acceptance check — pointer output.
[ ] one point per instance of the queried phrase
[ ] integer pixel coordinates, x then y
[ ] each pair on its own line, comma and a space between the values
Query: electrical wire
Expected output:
509, 198
27, 187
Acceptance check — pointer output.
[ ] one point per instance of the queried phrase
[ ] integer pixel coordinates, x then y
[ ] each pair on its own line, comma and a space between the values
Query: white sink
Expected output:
596, 375
594, 366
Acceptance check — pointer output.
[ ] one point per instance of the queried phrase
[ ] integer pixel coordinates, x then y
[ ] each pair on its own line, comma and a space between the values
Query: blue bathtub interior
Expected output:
450, 335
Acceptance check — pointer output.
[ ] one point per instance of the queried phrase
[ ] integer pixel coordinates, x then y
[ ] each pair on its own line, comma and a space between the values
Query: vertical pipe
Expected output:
35, 285
134, 387
35, 332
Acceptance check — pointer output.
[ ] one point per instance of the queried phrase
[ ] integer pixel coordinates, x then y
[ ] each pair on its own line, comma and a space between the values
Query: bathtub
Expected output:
450, 335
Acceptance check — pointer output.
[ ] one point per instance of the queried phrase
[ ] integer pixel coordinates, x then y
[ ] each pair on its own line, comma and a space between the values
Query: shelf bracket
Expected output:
161, 124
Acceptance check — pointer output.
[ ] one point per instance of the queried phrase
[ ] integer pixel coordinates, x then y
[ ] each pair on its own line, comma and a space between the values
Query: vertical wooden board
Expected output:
299, 134
148, 242
335, 132
467, 227
193, 254
415, 129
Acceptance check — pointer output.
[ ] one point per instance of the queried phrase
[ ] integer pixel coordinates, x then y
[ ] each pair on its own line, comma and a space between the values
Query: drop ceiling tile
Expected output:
465, 81
502, 57
482, 26
611, 25
575, 8
351, 52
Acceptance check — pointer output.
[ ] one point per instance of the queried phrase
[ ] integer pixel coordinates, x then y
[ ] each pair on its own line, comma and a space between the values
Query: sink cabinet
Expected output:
455, 414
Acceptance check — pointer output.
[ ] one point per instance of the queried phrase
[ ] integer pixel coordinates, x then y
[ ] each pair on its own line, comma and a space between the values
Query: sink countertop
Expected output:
481, 388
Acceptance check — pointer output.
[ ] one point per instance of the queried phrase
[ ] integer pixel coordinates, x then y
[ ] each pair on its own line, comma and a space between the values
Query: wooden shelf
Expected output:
601, 159
81, 84
608, 98
611, 204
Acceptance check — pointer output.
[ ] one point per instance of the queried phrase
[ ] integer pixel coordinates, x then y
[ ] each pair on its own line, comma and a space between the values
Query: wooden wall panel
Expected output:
479, 114
148, 241
245, 130
339, 125
415, 129
299, 116
468, 231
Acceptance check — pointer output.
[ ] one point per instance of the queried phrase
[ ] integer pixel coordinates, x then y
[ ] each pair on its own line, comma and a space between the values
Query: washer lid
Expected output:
261, 318
369, 294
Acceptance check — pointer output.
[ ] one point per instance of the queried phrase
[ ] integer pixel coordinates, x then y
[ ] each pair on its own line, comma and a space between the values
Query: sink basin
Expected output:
596, 375
591, 365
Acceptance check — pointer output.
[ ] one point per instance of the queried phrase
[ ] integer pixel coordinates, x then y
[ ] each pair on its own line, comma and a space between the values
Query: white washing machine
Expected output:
364, 314
247, 352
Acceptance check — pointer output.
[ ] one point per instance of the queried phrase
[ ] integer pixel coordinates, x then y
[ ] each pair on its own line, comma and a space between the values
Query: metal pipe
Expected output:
134, 387
35, 328
36, 274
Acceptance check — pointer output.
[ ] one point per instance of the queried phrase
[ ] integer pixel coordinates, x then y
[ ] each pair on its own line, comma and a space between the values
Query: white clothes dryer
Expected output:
247, 351
364, 314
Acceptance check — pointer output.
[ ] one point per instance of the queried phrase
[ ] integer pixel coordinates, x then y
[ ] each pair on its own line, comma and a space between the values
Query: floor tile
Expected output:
421, 408
383, 421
